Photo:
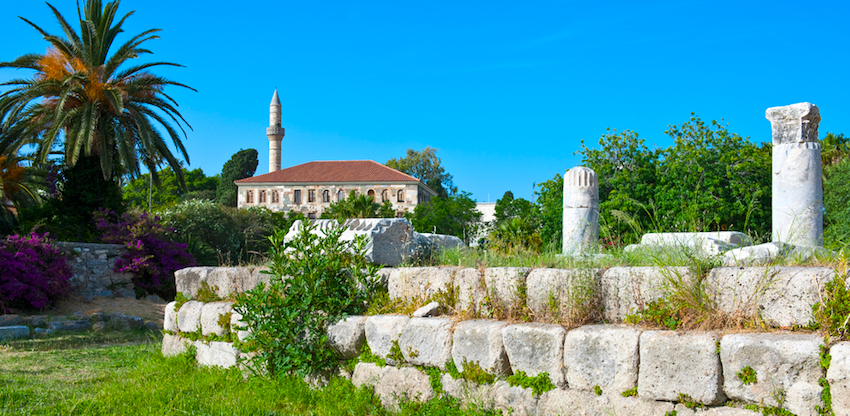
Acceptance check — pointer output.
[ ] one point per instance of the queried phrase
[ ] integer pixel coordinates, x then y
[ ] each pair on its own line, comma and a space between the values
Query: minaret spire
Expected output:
275, 133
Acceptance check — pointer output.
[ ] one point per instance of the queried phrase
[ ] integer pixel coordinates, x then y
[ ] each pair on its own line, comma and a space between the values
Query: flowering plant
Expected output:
33, 273
151, 256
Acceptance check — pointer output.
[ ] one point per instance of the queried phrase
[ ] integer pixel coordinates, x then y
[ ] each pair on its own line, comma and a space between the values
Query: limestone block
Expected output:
169, 323
782, 296
602, 355
438, 242
427, 341
515, 401
216, 354
480, 341
471, 291
480, 396
121, 322
757, 254
536, 348
188, 280
14, 332
783, 363
189, 316
389, 241
431, 309
393, 384
625, 290
420, 283
382, 331
677, 362
703, 244
728, 411
173, 345
346, 337
503, 284
70, 326
568, 294
838, 376
235, 325
227, 281
571, 402
211, 313
9, 320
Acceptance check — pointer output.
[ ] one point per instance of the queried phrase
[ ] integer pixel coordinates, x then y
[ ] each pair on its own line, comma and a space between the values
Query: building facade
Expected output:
311, 187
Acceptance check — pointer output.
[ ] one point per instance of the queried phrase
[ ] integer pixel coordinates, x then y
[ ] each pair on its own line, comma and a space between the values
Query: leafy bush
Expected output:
538, 384
832, 314
151, 256
315, 282
33, 273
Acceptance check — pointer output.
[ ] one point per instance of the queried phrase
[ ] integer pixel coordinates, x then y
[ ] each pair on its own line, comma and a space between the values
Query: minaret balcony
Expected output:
274, 131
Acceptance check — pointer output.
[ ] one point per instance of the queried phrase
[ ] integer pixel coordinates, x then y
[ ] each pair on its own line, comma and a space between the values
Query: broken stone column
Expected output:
797, 182
581, 211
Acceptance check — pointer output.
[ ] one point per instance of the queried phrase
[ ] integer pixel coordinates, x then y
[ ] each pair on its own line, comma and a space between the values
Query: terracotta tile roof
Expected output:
336, 171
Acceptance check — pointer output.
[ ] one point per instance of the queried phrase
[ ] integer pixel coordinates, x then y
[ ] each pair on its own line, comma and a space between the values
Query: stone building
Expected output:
311, 187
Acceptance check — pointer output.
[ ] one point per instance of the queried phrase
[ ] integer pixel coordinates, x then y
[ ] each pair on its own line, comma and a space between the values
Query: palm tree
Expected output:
19, 181
81, 98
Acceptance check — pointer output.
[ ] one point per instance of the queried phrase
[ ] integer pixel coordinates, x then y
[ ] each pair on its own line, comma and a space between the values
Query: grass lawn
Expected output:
123, 373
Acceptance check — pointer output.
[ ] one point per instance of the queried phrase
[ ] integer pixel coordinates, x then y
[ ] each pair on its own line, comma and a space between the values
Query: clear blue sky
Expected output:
505, 90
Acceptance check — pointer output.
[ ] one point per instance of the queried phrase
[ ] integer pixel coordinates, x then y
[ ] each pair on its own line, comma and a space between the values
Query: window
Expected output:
385, 195
340, 195
262, 198
311, 195
400, 196
326, 196
249, 197
296, 197
275, 197
371, 194
311, 216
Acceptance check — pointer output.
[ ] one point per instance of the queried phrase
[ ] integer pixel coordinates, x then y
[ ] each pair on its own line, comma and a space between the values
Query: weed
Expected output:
224, 321
539, 384
832, 313
434, 378
689, 402
367, 356
411, 352
207, 293
472, 372
395, 353
630, 392
670, 413
179, 300
717, 347
597, 390
826, 393
658, 313
747, 375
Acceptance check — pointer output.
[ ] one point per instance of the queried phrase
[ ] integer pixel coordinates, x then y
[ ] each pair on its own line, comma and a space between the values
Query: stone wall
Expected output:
92, 266
592, 365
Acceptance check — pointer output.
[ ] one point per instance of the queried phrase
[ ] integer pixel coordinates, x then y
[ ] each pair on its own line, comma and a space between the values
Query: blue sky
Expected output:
505, 90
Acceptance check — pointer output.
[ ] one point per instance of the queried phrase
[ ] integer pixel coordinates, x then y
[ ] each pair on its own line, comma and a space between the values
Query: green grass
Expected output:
124, 373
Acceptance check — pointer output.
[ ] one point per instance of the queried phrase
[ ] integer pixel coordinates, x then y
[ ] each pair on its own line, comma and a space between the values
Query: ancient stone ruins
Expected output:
797, 201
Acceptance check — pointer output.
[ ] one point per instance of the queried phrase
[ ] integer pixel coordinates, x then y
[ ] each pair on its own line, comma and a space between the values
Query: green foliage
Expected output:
425, 166
179, 300
315, 282
453, 215
206, 293
836, 193
367, 356
826, 393
710, 179
168, 192
597, 390
630, 392
68, 216
747, 375
658, 312
241, 165
671, 413
515, 227
472, 372
539, 384
834, 148
395, 353
550, 203
832, 314
358, 206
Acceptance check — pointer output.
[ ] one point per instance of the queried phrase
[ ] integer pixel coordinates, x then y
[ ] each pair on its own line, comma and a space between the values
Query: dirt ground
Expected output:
145, 309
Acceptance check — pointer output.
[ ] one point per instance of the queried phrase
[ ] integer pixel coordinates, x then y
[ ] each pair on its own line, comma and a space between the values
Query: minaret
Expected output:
275, 133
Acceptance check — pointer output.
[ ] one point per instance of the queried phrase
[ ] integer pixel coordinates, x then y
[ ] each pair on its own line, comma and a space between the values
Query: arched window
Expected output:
275, 197
371, 194
249, 197
262, 198
385, 195
400, 195
340, 195
326, 196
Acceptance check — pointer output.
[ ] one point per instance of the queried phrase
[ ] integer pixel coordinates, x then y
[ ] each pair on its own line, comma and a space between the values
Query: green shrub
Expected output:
832, 314
327, 280
539, 384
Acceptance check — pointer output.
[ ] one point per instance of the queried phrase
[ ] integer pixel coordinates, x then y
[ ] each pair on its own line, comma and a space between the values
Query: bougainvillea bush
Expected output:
152, 257
33, 273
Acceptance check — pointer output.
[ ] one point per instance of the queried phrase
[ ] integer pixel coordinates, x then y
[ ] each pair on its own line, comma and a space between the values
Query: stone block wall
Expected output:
591, 366
92, 267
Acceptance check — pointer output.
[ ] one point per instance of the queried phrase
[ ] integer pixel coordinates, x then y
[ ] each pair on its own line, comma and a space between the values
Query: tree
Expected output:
242, 165
84, 96
836, 219
426, 167
198, 186
550, 203
19, 183
453, 215
833, 148
359, 206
